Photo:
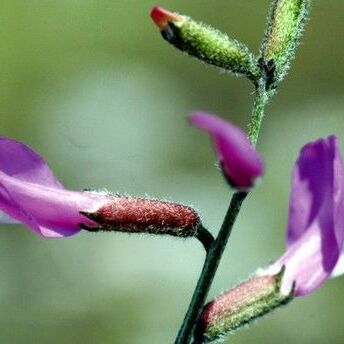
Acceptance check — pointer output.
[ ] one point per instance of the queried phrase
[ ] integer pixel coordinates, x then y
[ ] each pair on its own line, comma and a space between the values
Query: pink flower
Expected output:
315, 231
30, 194
241, 163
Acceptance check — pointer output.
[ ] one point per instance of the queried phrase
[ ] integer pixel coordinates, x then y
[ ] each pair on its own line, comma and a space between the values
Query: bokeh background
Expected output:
93, 87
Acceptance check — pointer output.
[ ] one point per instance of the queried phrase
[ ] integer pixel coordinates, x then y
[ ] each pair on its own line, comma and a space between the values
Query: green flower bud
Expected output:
285, 26
205, 43
240, 306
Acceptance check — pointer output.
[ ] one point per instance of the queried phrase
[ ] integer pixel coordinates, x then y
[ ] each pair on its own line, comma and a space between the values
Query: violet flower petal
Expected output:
21, 162
316, 220
240, 161
29, 193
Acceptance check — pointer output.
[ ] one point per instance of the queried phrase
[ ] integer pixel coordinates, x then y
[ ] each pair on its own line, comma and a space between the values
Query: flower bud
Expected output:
32, 195
240, 306
205, 43
140, 215
285, 25
240, 162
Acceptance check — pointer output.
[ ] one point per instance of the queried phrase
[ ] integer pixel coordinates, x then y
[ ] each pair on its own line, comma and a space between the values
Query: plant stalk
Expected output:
214, 254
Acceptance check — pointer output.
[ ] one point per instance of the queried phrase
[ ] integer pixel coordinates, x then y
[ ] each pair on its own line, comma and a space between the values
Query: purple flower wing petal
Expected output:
317, 195
55, 212
316, 218
29, 220
21, 162
10, 206
304, 264
240, 160
29, 193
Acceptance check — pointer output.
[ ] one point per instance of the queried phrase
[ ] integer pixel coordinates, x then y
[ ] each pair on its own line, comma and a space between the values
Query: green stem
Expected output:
209, 269
217, 248
257, 112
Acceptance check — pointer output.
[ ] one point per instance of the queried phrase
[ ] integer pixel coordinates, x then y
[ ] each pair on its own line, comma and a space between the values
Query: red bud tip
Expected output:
162, 17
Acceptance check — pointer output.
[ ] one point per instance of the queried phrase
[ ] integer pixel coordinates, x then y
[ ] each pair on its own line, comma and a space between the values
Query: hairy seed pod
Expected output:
140, 215
239, 306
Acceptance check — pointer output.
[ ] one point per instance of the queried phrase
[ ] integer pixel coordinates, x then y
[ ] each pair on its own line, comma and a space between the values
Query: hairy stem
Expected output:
257, 112
214, 254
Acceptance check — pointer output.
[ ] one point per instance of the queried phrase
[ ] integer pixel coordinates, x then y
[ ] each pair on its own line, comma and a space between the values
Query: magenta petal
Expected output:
304, 264
240, 161
31, 194
21, 162
318, 196
316, 218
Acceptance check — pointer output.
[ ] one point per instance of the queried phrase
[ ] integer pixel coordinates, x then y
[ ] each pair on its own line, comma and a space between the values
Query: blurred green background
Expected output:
93, 87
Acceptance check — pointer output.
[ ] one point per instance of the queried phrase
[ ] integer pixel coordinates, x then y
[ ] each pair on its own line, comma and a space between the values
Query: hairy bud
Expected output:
239, 306
285, 26
205, 43
140, 215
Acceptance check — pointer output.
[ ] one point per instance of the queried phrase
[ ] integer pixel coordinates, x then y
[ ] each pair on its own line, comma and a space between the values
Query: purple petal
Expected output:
304, 264
316, 219
31, 194
21, 162
317, 195
240, 161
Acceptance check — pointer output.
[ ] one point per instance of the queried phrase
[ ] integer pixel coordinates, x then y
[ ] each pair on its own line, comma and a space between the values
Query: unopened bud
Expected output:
140, 215
239, 306
162, 17
241, 163
205, 43
285, 26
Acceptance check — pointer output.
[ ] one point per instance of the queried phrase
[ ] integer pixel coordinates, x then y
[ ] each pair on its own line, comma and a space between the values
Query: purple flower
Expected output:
315, 230
30, 194
239, 160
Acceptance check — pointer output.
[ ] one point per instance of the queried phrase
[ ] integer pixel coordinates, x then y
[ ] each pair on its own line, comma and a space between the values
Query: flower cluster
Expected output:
30, 194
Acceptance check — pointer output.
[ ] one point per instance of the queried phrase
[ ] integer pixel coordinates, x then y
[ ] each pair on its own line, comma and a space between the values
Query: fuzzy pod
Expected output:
205, 43
240, 306
286, 22
141, 215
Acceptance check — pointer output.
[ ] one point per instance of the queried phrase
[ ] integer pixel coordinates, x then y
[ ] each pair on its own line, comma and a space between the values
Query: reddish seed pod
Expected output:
232, 301
239, 306
140, 215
